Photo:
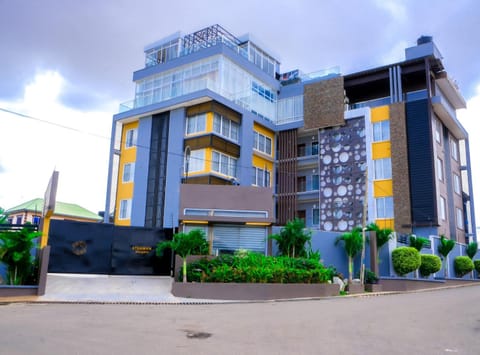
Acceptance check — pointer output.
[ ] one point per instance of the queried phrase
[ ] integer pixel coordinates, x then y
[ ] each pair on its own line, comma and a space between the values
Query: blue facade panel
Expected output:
141, 171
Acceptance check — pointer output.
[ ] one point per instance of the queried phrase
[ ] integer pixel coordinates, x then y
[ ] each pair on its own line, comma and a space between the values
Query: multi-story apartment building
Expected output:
218, 138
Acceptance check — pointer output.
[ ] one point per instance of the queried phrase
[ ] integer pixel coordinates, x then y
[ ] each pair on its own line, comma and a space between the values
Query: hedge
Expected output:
463, 265
405, 260
430, 264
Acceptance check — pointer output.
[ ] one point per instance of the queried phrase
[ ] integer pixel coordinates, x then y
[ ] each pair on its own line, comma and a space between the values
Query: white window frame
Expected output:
199, 124
384, 207
443, 208
197, 161
456, 184
125, 209
440, 174
224, 164
383, 168
262, 143
128, 172
131, 138
381, 131
459, 218
225, 127
454, 149
261, 177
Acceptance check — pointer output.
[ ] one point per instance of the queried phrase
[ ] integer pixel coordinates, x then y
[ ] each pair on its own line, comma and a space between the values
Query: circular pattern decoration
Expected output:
342, 225
327, 159
342, 190
328, 226
327, 192
343, 157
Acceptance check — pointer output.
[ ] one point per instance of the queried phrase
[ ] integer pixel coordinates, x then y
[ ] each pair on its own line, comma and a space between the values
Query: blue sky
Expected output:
71, 63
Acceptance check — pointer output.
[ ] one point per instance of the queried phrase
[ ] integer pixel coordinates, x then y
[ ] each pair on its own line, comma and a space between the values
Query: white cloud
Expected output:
30, 148
394, 8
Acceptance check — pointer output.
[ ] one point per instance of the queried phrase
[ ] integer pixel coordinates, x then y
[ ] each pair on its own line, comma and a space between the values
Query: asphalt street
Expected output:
434, 322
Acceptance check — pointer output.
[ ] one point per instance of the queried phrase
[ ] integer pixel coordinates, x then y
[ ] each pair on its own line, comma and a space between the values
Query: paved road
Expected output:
436, 322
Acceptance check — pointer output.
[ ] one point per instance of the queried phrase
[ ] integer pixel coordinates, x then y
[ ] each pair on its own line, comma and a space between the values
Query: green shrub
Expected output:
463, 265
258, 268
405, 260
430, 264
476, 263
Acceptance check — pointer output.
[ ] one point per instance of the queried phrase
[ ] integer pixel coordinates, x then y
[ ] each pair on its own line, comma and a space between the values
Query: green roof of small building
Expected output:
61, 208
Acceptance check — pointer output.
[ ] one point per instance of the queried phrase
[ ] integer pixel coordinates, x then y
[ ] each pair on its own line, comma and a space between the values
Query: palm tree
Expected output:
418, 242
444, 248
383, 236
471, 250
353, 244
293, 239
185, 244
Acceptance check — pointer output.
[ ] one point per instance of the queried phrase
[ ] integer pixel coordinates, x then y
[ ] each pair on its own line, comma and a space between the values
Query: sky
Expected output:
66, 65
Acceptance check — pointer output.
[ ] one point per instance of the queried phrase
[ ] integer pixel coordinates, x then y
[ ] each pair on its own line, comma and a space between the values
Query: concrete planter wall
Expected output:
250, 291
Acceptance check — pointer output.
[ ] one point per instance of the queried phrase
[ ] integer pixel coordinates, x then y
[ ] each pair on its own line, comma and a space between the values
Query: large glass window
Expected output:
131, 138
125, 209
315, 182
314, 148
384, 206
197, 161
225, 127
261, 177
262, 143
196, 124
224, 164
383, 168
128, 172
381, 131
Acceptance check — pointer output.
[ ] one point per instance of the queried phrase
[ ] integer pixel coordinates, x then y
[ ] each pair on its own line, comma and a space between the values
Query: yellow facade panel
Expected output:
381, 113
382, 188
386, 223
209, 126
262, 163
381, 150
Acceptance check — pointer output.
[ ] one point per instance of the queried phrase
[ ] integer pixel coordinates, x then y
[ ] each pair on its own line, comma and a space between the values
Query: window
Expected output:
440, 169
225, 127
316, 216
224, 164
383, 168
454, 146
18, 220
456, 184
128, 171
301, 215
196, 124
196, 162
438, 131
36, 219
384, 207
125, 209
10, 220
263, 92
261, 177
315, 182
381, 131
131, 138
301, 150
262, 143
301, 183
314, 148
443, 210
459, 218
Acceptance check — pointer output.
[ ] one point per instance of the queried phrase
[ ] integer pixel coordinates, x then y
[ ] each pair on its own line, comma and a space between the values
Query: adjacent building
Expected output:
31, 212
218, 138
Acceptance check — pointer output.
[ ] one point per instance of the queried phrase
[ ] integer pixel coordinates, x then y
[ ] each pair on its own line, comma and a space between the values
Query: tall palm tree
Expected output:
353, 244
383, 236
444, 248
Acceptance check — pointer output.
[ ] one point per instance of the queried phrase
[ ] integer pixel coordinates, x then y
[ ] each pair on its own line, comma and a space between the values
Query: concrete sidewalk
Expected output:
83, 288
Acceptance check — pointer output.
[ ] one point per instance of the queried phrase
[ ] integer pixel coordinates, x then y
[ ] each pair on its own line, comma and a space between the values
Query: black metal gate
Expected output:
95, 248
